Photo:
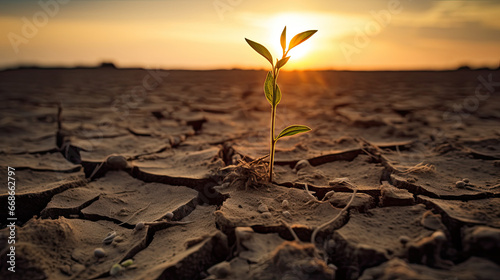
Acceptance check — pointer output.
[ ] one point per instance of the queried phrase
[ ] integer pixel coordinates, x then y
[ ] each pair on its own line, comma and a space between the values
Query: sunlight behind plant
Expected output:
306, 55
295, 23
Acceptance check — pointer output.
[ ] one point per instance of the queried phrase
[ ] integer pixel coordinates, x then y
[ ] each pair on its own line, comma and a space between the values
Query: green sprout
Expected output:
272, 90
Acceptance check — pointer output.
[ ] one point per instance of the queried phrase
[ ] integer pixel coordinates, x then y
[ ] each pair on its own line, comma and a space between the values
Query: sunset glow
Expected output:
362, 35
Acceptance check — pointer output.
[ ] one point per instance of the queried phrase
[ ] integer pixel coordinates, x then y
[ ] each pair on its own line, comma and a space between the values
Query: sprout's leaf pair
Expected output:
301, 37
261, 50
296, 40
274, 97
292, 130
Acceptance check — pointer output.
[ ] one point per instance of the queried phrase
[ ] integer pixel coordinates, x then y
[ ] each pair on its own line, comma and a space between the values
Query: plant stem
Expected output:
276, 71
273, 142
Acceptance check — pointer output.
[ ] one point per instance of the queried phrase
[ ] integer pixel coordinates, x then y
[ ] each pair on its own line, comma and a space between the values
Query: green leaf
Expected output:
292, 130
277, 96
283, 39
268, 87
282, 62
261, 50
301, 37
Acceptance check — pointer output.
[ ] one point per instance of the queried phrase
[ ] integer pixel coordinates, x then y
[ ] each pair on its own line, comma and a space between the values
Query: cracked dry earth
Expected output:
104, 177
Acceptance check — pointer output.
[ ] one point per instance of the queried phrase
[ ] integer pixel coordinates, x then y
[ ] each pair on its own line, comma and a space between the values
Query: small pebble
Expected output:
301, 164
127, 263
403, 239
109, 238
99, 253
287, 214
284, 204
466, 180
139, 226
262, 208
115, 269
267, 215
169, 216
460, 184
117, 162
439, 235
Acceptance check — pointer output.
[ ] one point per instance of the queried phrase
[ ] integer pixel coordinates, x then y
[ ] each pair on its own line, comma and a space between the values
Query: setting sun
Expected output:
295, 23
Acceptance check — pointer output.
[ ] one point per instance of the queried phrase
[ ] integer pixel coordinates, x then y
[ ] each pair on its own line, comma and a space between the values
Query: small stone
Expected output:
127, 263
99, 253
262, 208
109, 238
439, 235
220, 270
287, 214
119, 239
466, 180
284, 204
117, 162
169, 216
301, 164
267, 215
115, 269
403, 239
139, 226
460, 184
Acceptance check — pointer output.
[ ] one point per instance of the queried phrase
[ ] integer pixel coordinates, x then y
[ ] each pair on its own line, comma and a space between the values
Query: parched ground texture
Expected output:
153, 167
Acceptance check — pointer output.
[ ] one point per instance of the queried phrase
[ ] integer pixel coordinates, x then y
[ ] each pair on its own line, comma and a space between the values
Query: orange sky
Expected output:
195, 34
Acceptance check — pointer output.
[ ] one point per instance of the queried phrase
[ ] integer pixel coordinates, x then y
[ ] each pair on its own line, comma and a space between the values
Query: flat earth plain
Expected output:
146, 174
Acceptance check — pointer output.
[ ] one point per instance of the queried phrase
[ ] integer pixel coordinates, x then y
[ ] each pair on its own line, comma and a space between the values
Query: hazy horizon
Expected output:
203, 35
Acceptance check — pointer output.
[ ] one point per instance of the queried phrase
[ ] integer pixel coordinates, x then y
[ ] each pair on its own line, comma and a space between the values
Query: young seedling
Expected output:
272, 90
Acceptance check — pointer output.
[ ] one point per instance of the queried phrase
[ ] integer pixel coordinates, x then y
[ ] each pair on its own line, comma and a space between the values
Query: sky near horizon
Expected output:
209, 34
